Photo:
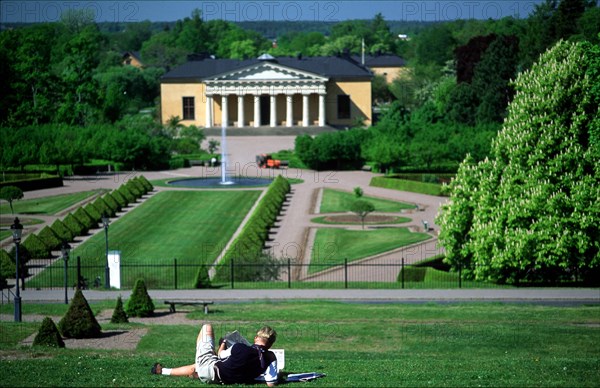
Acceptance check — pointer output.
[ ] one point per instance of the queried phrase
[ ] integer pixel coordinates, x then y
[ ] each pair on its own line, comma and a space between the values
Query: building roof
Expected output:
205, 67
383, 60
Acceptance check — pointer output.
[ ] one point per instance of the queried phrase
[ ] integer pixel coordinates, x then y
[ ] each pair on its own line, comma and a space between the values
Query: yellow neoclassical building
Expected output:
268, 91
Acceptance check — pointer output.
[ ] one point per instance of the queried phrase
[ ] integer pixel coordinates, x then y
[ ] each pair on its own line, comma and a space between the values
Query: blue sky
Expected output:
132, 11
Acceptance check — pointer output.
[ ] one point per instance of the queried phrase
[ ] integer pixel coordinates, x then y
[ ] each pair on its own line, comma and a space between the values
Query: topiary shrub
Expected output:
35, 247
134, 189
49, 238
125, 192
138, 185
120, 198
62, 231
146, 183
202, 278
85, 219
119, 315
48, 335
74, 225
140, 304
79, 321
94, 213
112, 203
7, 265
103, 207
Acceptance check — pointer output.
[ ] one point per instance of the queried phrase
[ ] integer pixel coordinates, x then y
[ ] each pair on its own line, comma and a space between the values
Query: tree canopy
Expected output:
530, 212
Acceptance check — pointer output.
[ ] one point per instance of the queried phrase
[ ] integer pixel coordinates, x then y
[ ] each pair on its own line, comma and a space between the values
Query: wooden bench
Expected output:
172, 304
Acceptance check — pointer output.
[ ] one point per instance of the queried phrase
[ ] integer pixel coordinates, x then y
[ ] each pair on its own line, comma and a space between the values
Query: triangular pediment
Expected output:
266, 71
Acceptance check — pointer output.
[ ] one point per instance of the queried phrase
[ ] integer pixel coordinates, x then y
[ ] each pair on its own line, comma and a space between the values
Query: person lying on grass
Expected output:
237, 365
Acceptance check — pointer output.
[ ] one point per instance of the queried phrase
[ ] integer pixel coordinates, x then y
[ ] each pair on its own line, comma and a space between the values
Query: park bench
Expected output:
204, 303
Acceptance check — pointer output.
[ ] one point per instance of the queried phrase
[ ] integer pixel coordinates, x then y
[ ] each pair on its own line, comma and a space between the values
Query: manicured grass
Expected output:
333, 245
188, 225
355, 345
47, 205
334, 201
406, 185
395, 220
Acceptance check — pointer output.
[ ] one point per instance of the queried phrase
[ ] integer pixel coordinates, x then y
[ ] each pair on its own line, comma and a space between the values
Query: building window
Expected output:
343, 102
189, 112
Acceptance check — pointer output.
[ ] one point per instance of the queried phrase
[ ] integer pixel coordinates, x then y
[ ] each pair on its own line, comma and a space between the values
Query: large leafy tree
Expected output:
531, 211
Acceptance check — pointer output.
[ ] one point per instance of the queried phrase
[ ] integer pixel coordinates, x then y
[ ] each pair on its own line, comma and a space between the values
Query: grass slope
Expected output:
192, 226
47, 205
340, 201
356, 345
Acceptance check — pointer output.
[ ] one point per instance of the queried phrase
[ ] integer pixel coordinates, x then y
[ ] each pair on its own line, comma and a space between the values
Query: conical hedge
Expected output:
48, 335
202, 278
79, 321
140, 304
119, 315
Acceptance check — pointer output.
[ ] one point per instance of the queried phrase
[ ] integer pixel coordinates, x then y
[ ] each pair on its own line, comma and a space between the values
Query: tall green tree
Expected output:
531, 211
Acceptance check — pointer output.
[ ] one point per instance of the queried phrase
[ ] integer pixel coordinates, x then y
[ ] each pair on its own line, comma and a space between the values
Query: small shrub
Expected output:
79, 321
35, 247
120, 198
62, 231
112, 203
119, 315
125, 192
85, 219
138, 185
140, 304
7, 265
74, 225
48, 335
358, 192
49, 238
202, 278
146, 183
103, 207
94, 213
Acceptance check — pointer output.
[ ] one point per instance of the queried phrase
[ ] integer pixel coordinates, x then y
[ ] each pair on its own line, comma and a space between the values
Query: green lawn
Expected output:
47, 205
334, 201
187, 225
333, 245
355, 345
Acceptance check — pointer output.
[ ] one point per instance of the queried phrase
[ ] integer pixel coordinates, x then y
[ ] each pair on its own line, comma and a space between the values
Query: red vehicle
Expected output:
266, 161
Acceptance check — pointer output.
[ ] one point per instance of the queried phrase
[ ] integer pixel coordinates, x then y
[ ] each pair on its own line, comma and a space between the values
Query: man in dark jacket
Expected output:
237, 365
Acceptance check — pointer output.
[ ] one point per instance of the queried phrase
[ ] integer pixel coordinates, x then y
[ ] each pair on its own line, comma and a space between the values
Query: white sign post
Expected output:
114, 266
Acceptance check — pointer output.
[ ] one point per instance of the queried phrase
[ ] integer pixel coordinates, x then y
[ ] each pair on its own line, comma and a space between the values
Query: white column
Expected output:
209, 112
273, 115
289, 111
321, 110
305, 111
240, 111
224, 111
257, 110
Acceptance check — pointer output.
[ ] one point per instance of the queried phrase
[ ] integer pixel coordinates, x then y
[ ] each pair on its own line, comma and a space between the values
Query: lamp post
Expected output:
105, 222
17, 230
65, 250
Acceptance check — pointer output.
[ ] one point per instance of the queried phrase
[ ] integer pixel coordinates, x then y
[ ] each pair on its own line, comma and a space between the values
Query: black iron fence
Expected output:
181, 274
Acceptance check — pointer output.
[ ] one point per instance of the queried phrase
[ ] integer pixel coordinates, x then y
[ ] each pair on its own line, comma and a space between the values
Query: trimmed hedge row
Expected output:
248, 246
40, 245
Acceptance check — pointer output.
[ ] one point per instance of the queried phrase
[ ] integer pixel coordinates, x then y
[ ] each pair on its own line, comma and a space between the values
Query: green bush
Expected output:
49, 238
202, 278
79, 321
35, 248
7, 265
112, 203
127, 194
74, 225
84, 218
412, 274
138, 185
94, 213
406, 185
62, 231
120, 198
146, 183
140, 304
134, 189
48, 335
119, 315
103, 207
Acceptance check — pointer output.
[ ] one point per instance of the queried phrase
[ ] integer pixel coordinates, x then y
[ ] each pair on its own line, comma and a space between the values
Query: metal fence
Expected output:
181, 274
